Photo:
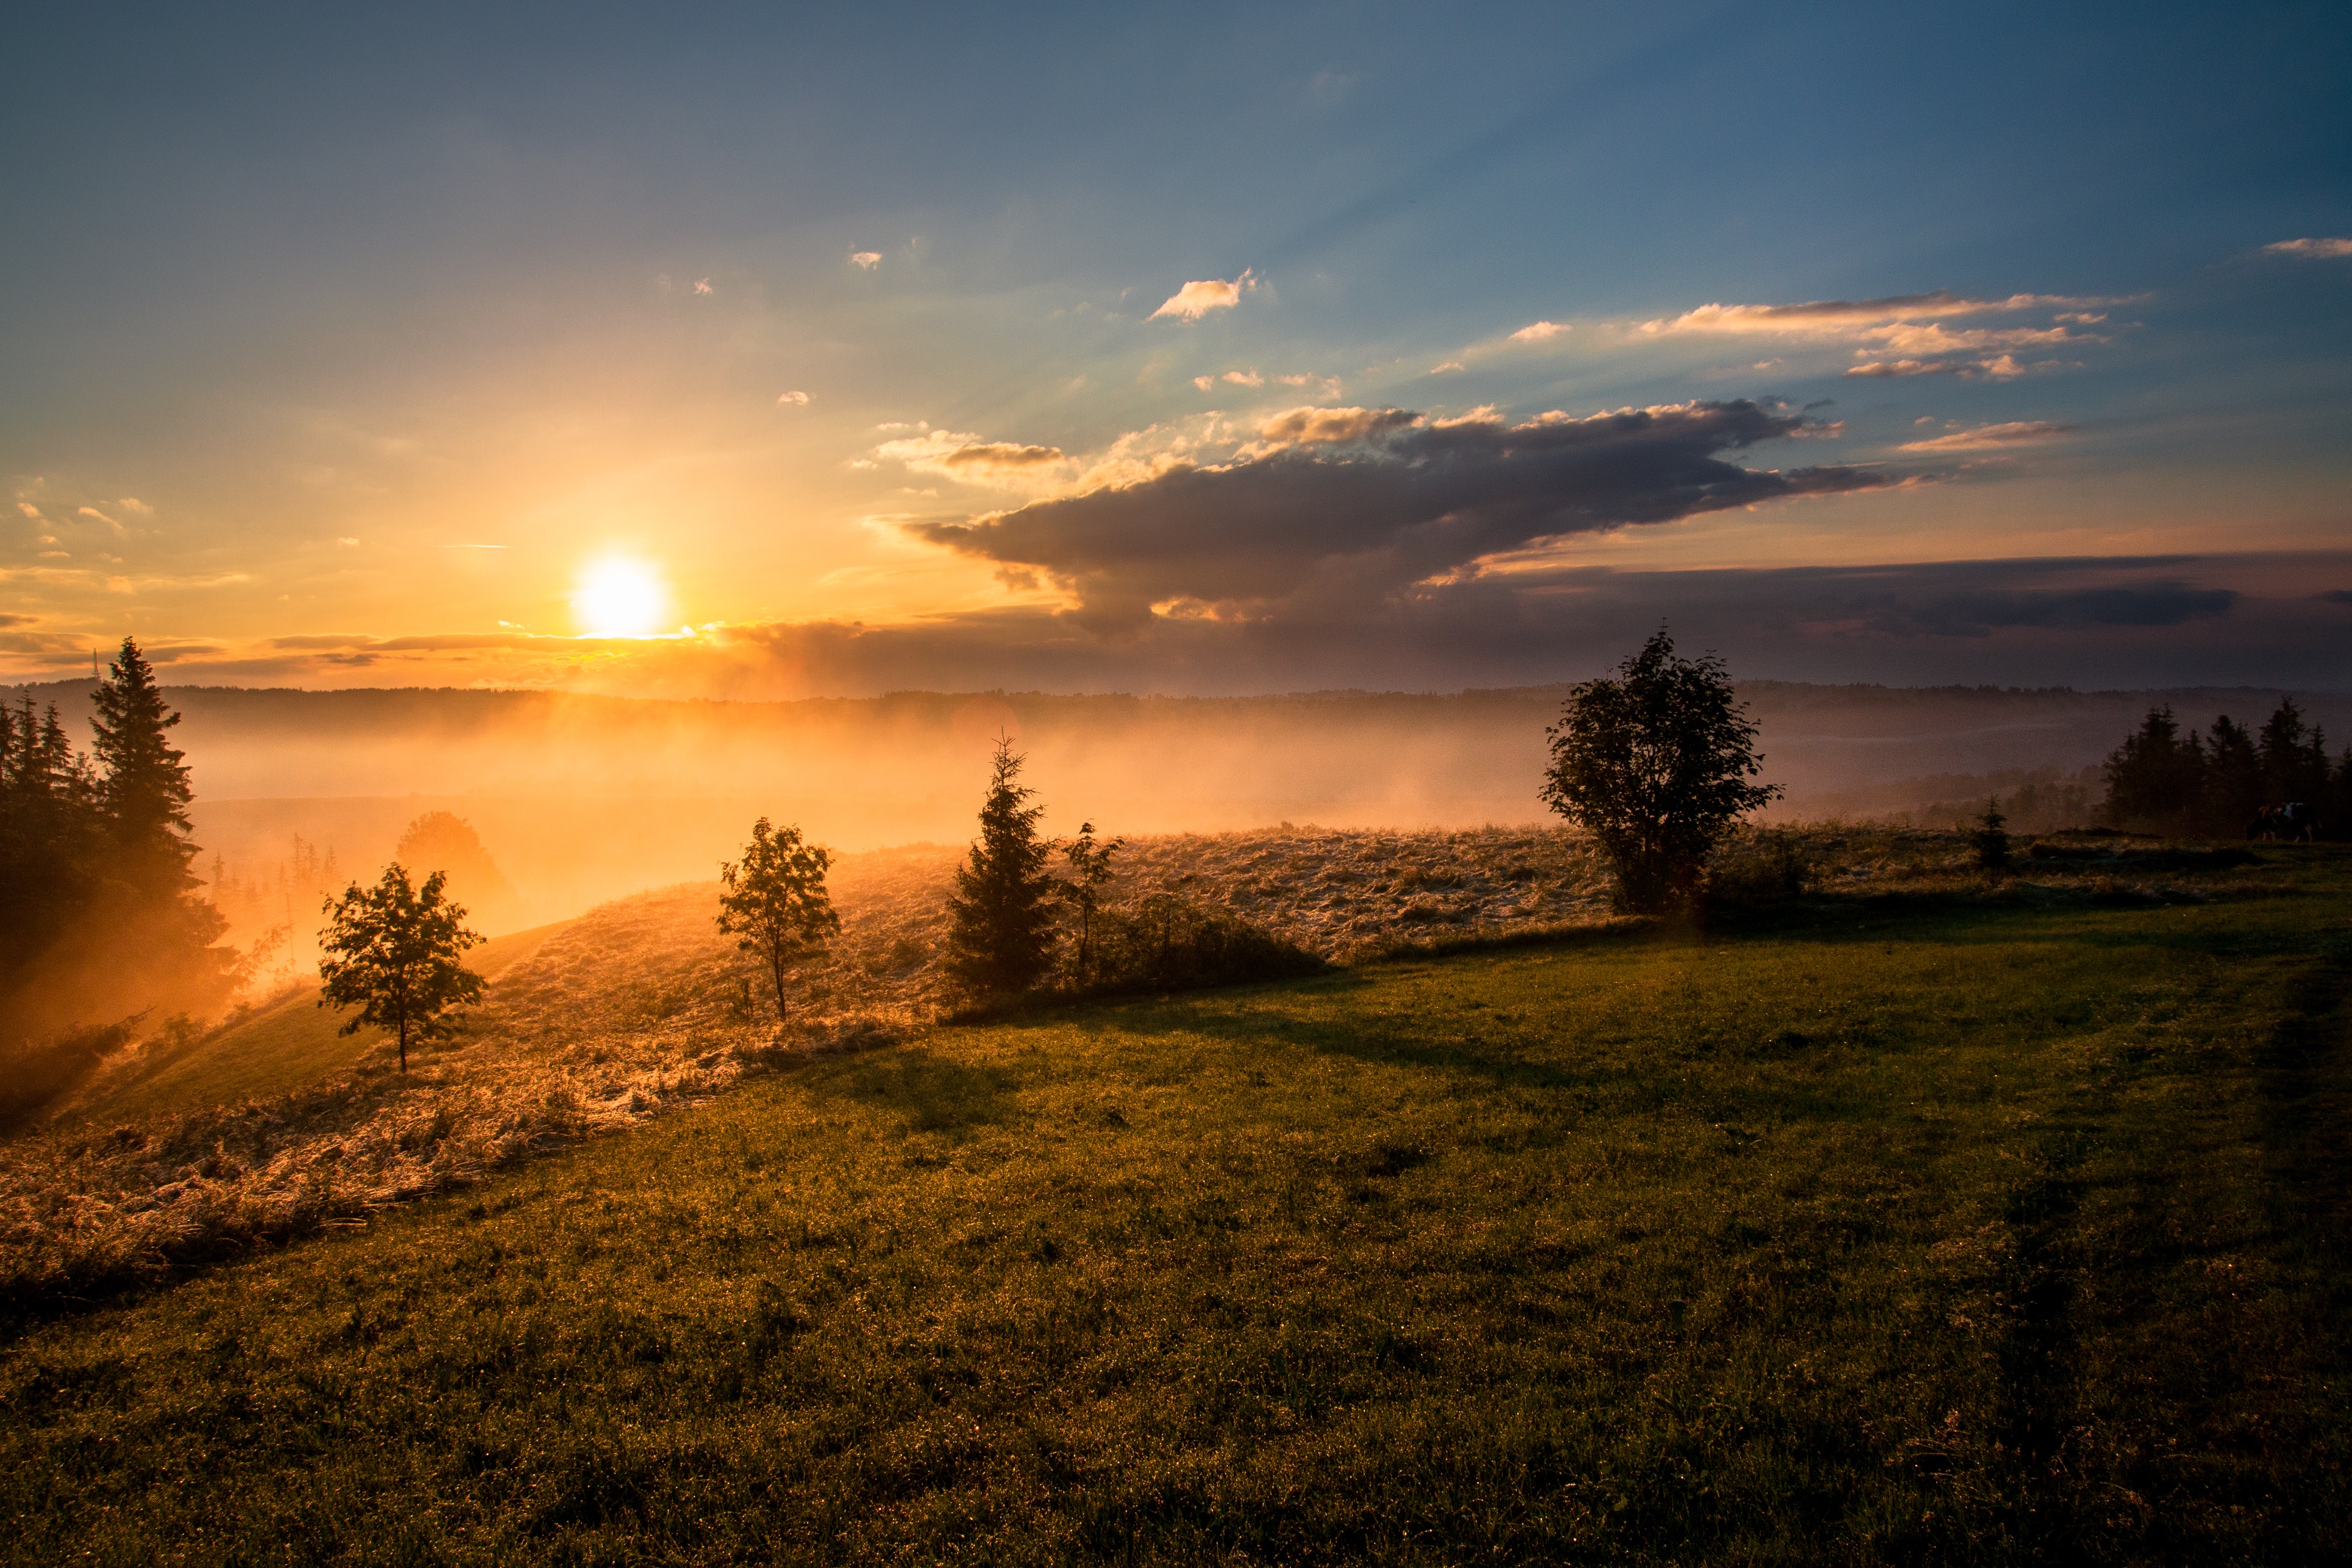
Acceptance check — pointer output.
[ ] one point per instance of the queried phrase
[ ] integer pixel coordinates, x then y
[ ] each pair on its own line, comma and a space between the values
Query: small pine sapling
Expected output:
774, 901
1991, 838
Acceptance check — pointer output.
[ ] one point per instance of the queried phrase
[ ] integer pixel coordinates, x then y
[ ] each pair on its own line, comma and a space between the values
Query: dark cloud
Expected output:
1354, 503
2108, 621
2334, 596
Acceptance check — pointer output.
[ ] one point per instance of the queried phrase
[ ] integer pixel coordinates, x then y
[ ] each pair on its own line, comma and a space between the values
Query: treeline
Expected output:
2166, 779
99, 924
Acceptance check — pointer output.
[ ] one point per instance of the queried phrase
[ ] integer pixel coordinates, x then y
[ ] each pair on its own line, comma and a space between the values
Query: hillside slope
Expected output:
1900, 1230
287, 1044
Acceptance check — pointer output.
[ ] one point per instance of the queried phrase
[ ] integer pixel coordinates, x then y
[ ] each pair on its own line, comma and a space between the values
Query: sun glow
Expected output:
619, 598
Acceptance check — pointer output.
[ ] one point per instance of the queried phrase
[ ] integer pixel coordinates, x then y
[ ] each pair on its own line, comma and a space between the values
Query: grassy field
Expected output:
1894, 1229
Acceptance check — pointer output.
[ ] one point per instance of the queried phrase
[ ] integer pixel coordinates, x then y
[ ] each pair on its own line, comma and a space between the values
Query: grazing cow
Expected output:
2293, 823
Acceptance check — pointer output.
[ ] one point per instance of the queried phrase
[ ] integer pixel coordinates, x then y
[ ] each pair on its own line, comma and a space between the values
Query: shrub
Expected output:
1163, 943
1757, 869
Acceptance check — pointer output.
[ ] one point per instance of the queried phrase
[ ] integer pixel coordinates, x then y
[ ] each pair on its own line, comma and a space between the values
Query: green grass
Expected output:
289, 1044
1904, 1235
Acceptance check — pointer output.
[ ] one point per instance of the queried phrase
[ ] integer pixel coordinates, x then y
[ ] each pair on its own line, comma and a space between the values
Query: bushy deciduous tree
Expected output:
1655, 765
443, 841
393, 951
774, 900
1001, 941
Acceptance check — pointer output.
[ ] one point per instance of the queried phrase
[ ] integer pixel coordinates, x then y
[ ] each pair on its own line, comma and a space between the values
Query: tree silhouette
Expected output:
391, 951
143, 786
1002, 938
1655, 765
776, 903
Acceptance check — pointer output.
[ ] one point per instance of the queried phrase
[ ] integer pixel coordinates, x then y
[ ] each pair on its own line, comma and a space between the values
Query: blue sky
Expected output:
346, 349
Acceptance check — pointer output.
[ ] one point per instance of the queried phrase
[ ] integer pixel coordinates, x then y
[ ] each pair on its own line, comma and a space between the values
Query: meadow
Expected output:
1927, 1217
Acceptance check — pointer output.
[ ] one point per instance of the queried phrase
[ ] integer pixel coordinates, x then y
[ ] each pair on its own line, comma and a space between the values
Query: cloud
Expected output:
101, 516
1206, 384
956, 455
2334, 596
2310, 250
138, 506
1998, 368
1537, 332
347, 542
794, 399
868, 259
1448, 366
1244, 378
1815, 316
1993, 437
1356, 503
1195, 300
702, 286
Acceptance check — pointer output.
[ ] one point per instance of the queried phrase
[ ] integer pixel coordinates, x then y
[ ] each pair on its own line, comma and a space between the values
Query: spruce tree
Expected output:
143, 786
1002, 938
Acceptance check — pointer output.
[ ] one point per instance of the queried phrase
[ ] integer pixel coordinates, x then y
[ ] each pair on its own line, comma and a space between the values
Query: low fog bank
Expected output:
581, 799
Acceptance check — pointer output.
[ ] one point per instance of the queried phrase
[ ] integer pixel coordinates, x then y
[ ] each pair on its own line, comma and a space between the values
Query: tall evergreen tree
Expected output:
144, 783
2233, 777
2294, 758
2155, 779
1003, 939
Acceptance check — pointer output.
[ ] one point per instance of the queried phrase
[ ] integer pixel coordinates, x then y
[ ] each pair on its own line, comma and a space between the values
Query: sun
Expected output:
619, 598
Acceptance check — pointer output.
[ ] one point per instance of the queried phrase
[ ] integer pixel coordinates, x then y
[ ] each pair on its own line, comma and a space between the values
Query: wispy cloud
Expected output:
868, 259
2311, 249
955, 454
1196, 300
1244, 378
1815, 315
1537, 332
133, 503
702, 286
1993, 437
794, 399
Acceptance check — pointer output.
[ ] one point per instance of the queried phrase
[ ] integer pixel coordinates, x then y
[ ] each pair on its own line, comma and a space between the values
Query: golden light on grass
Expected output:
620, 597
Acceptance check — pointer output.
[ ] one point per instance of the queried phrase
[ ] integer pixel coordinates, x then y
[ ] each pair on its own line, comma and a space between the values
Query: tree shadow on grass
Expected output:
934, 1093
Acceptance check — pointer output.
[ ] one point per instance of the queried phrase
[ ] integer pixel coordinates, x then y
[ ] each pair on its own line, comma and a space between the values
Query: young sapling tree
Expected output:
1090, 874
391, 951
774, 900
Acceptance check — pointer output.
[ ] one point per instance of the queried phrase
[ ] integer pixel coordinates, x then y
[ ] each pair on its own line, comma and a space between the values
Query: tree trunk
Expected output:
776, 969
